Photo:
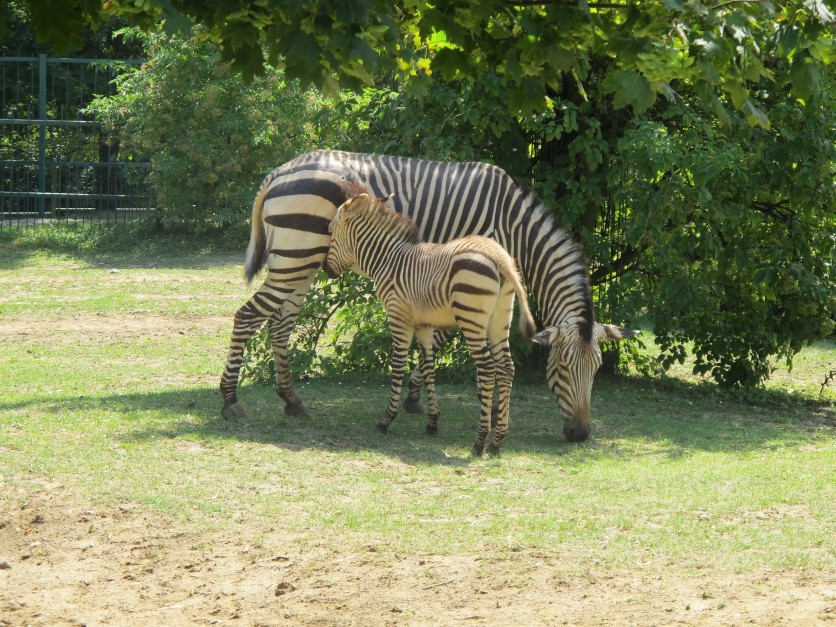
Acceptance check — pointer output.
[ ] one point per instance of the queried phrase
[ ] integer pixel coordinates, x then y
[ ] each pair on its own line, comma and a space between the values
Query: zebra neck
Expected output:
379, 259
553, 266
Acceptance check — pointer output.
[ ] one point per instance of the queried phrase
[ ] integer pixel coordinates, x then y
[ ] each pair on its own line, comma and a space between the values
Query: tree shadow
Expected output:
170, 251
631, 420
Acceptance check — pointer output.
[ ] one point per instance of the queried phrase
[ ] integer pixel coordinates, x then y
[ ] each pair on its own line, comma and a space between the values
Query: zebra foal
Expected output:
469, 283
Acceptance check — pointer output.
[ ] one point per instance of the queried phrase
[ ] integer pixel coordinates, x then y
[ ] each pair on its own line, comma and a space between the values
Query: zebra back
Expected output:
449, 200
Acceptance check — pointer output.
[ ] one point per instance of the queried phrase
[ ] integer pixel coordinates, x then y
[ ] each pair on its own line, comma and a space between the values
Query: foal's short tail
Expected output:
527, 327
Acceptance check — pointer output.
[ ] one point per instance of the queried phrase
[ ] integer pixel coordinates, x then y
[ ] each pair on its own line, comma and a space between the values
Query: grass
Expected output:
115, 401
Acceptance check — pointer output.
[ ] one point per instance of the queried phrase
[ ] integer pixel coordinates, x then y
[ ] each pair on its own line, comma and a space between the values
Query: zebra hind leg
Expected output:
498, 330
247, 321
504, 380
485, 374
281, 325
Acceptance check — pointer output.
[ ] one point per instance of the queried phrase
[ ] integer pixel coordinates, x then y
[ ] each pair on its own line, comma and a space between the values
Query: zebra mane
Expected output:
572, 260
396, 223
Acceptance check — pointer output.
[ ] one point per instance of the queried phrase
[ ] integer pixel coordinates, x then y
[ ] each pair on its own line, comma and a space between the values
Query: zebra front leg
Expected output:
412, 403
427, 366
281, 325
401, 340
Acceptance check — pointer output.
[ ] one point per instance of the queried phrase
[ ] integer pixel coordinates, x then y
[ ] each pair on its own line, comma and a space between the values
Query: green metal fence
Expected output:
55, 164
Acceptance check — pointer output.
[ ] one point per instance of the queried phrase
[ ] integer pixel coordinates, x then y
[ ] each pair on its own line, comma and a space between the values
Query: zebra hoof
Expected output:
381, 426
296, 409
493, 449
432, 429
234, 411
414, 406
477, 449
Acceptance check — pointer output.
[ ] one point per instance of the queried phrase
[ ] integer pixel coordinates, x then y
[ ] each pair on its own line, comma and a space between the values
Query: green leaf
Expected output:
450, 63
528, 96
804, 76
754, 116
629, 89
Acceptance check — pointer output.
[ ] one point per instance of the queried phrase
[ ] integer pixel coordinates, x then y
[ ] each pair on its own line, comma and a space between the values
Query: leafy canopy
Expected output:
722, 46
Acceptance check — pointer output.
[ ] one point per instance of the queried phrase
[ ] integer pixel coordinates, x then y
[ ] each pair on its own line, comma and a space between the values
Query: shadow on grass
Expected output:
632, 419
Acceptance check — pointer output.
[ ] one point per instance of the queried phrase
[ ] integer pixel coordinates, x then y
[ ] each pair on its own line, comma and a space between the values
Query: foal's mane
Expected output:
385, 215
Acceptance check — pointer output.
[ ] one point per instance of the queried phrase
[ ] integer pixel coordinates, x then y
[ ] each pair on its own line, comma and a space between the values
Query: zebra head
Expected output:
341, 254
573, 362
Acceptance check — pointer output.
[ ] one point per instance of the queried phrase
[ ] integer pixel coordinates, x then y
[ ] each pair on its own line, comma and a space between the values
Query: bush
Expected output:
210, 138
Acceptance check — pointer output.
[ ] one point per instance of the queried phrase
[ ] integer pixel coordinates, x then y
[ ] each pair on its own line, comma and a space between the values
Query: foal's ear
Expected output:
351, 206
360, 202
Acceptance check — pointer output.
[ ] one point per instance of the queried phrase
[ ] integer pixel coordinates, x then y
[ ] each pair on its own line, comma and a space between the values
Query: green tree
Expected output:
650, 47
689, 143
718, 232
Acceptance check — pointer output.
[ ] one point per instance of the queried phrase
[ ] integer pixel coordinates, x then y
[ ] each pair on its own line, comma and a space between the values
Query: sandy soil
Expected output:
65, 562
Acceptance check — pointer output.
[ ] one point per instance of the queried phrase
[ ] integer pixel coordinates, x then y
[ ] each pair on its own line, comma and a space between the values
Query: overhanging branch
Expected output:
590, 5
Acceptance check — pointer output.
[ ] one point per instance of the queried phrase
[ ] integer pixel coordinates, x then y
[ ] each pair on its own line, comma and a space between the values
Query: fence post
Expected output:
41, 133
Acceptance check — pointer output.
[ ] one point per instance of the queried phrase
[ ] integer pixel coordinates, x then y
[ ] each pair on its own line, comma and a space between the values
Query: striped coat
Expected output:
469, 283
446, 200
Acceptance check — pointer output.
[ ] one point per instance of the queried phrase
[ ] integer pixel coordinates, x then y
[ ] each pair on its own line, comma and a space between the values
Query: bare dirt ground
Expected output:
64, 561
65, 564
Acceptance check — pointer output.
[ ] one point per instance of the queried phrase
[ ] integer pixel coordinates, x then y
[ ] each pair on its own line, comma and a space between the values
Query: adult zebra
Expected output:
297, 201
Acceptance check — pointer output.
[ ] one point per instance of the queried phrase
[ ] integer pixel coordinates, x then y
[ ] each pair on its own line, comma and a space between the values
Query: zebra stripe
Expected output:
469, 283
446, 200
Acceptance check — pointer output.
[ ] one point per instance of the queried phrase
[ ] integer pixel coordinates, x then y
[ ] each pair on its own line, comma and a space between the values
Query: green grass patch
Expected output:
680, 475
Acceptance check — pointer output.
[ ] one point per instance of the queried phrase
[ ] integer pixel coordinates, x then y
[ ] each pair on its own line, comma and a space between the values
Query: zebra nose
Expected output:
329, 271
575, 432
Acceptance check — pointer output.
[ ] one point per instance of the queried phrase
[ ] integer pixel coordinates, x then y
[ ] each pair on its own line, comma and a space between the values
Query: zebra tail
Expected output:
257, 249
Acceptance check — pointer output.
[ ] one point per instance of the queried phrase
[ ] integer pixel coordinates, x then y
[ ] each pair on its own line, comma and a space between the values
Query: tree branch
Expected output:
618, 266
722, 5
591, 5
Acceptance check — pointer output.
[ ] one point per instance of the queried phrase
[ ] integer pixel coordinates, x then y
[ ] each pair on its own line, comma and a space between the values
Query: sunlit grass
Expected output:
675, 477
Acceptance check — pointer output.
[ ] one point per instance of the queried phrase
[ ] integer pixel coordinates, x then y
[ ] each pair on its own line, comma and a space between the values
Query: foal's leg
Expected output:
485, 375
498, 330
402, 334
413, 404
427, 367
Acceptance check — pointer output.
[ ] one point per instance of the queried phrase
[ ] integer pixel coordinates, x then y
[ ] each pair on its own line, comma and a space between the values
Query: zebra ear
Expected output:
611, 332
359, 203
348, 208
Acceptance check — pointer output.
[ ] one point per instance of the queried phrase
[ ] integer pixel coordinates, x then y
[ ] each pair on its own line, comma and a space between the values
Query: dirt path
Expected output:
63, 563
